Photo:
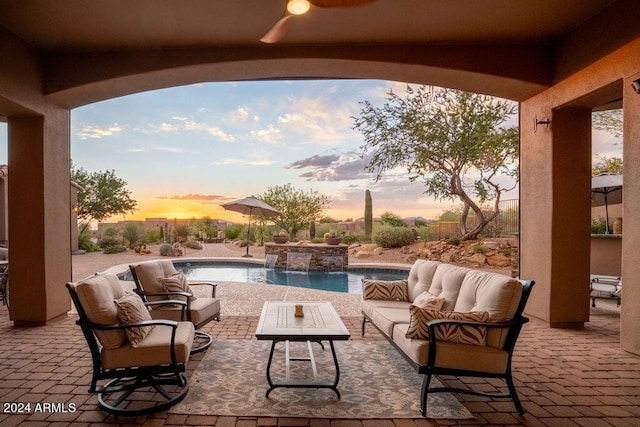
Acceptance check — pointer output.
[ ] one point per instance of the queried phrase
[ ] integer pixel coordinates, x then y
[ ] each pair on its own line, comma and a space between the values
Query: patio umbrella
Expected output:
250, 206
606, 189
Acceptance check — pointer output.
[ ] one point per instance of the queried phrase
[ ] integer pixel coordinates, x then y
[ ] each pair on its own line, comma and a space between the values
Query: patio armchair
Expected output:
159, 280
138, 363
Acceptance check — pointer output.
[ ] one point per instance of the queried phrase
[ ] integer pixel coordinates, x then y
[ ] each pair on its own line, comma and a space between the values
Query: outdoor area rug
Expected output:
375, 382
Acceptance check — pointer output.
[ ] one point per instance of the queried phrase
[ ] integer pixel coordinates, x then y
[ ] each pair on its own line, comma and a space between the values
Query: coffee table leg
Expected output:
333, 386
271, 385
337, 377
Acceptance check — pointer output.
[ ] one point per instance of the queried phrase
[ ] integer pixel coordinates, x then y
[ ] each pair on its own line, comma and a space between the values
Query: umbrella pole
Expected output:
606, 214
248, 228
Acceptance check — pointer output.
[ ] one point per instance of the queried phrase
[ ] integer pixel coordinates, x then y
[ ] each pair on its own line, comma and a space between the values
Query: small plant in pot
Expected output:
332, 238
281, 237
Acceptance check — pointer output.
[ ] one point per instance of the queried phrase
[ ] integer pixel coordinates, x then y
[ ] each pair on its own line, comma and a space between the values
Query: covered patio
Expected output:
559, 60
564, 377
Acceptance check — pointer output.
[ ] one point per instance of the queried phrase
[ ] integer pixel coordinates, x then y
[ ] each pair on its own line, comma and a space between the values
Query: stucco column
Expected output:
555, 211
39, 217
629, 312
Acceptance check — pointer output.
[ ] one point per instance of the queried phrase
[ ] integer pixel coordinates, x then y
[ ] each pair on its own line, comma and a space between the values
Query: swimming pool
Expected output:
349, 281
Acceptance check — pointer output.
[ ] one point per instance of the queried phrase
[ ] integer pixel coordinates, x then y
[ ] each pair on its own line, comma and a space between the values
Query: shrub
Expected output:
393, 237
479, 248
165, 248
153, 236
109, 240
427, 234
133, 232
85, 243
233, 231
113, 249
599, 226
454, 241
351, 238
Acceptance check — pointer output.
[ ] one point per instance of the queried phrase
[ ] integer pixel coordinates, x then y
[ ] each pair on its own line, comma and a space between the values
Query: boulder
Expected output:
363, 254
499, 260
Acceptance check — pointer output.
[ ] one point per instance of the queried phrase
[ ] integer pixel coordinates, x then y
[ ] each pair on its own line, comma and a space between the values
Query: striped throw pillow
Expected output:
463, 334
131, 309
391, 290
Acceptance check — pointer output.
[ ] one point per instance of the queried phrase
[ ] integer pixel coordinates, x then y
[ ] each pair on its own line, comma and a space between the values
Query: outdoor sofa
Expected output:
450, 320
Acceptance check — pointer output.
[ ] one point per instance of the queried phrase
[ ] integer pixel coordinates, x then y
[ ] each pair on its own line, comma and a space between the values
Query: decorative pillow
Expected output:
131, 309
177, 283
427, 300
463, 334
385, 289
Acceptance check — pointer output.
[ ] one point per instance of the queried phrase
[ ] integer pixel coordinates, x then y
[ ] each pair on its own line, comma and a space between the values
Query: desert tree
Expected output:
456, 142
297, 207
101, 195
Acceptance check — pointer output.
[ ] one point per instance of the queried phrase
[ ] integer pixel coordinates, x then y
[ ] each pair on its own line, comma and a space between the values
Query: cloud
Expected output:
344, 167
195, 197
243, 161
183, 124
316, 161
97, 132
239, 115
270, 135
317, 120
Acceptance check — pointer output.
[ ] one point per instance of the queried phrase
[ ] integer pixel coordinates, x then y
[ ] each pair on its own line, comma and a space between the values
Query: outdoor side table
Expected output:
320, 323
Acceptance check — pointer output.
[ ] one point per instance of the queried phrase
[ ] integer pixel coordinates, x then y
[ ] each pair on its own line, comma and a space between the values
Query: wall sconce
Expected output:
636, 86
74, 208
546, 122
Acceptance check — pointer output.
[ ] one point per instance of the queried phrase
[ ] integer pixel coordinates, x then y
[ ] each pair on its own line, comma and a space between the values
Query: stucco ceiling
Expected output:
113, 25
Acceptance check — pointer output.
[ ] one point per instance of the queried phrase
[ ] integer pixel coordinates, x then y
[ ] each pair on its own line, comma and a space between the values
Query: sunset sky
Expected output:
184, 151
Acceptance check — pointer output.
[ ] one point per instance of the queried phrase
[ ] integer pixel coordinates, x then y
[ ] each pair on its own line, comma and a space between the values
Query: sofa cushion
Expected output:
385, 289
154, 349
463, 334
386, 318
446, 283
369, 306
96, 295
131, 309
452, 355
420, 277
426, 300
495, 293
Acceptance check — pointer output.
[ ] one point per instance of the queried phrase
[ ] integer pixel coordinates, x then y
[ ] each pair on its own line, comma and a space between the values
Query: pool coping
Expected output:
240, 261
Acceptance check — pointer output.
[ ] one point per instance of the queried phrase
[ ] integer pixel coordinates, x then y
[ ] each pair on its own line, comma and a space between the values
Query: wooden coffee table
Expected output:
320, 323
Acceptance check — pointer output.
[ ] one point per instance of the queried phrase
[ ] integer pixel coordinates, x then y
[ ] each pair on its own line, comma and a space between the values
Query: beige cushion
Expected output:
495, 293
463, 334
385, 289
480, 358
202, 309
369, 306
131, 309
96, 295
386, 318
420, 277
148, 274
426, 300
446, 283
154, 349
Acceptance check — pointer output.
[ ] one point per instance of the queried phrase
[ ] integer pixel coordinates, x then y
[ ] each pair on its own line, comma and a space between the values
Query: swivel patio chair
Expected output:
159, 280
142, 360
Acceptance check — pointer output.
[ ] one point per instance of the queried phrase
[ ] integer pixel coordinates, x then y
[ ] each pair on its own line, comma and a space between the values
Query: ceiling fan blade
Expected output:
339, 3
278, 30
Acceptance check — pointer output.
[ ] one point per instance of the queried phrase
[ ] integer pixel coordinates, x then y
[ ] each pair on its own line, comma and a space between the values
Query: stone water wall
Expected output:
319, 255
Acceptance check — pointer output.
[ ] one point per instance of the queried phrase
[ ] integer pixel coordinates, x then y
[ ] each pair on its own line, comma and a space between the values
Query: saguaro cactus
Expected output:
368, 215
312, 230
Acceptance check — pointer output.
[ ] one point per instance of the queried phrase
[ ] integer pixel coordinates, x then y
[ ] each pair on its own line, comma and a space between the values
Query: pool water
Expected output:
350, 282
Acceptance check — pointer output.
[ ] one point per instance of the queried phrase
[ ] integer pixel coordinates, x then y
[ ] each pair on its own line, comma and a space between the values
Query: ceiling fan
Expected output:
300, 7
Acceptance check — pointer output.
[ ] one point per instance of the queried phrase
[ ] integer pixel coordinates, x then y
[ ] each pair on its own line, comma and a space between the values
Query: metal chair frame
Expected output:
124, 382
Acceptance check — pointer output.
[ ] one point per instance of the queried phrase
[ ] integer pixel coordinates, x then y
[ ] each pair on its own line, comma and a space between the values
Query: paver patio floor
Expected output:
564, 378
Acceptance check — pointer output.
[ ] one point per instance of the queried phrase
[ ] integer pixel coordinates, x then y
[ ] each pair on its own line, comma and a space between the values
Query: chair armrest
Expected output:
154, 322
214, 286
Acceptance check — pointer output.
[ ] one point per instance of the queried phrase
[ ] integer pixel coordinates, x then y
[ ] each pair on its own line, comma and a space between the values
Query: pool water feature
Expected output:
340, 281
